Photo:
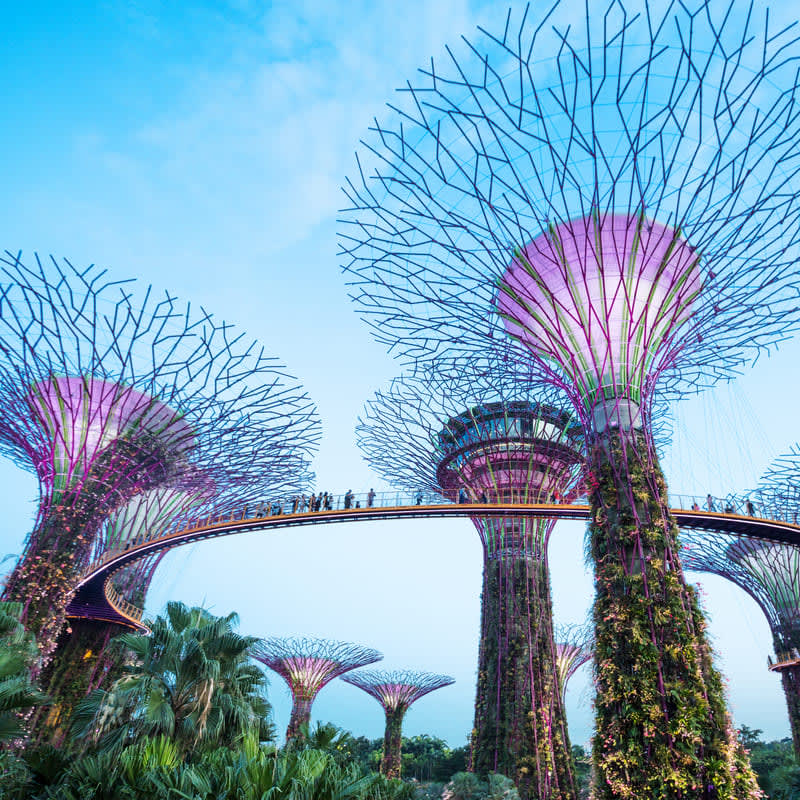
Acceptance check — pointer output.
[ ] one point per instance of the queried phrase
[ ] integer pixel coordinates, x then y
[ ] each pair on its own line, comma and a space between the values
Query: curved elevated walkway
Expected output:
95, 597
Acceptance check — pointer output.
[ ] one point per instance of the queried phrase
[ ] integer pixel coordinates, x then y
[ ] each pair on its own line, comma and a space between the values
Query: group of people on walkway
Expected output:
324, 501
727, 508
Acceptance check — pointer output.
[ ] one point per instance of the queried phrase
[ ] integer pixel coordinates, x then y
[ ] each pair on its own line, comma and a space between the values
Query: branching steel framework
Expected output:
614, 200
768, 571
307, 665
482, 436
107, 395
396, 691
574, 645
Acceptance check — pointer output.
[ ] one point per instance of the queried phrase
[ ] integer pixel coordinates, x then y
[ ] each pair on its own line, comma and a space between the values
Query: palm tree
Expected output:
190, 680
17, 653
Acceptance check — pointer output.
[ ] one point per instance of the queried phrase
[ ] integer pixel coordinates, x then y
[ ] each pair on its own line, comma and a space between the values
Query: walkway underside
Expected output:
94, 598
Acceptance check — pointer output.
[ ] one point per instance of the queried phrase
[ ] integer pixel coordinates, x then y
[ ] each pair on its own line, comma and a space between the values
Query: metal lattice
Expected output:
399, 688
109, 394
307, 664
668, 142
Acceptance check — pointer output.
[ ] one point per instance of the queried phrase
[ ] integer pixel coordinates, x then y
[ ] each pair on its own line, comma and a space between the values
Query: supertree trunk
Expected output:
660, 701
61, 546
44, 579
81, 663
299, 721
392, 762
790, 680
520, 725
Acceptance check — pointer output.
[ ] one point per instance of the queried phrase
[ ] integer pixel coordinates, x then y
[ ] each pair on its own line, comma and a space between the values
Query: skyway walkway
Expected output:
96, 598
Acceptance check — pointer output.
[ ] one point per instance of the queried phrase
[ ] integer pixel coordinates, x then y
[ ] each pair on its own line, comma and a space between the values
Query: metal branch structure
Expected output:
768, 571
612, 199
108, 395
307, 665
396, 691
478, 437
574, 648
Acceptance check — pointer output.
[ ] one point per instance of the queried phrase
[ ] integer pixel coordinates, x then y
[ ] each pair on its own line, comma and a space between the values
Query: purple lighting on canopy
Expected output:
574, 648
83, 416
604, 298
397, 689
307, 665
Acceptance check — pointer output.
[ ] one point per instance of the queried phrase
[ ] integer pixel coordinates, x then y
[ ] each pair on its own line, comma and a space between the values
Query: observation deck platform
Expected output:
95, 597
786, 661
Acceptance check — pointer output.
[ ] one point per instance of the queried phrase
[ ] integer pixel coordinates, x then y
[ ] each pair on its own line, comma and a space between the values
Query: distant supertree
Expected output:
107, 395
613, 199
768, 571
573, 649
477, 437
396, 691
307, 665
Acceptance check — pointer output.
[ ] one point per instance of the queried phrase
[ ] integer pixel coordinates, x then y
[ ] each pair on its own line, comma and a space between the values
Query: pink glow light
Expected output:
85, 415
604, 298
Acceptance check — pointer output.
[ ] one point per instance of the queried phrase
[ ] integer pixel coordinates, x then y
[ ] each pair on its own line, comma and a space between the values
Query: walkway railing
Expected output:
120, 604
301, 509
325, 501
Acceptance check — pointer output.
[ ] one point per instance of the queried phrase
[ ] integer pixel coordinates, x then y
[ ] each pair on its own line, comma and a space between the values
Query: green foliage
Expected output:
151, 769
425, 758
583, 770
663, 730
190, 680
428, 758
520, 725
468, 786
773, 762
17, 652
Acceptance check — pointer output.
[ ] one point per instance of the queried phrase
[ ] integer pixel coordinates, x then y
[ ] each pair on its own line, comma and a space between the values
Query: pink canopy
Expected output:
604, 298
84, 415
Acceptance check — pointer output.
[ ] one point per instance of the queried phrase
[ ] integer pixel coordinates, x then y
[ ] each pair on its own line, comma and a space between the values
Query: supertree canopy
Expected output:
612, 199
307, 665
476, 436
768, 571
396, 691
107, 396
573, 650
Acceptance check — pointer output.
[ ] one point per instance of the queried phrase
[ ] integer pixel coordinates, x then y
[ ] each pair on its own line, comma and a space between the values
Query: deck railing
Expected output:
327, 502
309, 504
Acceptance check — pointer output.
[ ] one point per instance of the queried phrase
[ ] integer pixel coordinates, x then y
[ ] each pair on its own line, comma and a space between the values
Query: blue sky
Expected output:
200, 147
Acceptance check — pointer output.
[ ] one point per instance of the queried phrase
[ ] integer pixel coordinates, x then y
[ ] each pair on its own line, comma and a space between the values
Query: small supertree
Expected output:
574, 645
612, 197
307, 665
107, 395
396, 691
768, 571
476, 436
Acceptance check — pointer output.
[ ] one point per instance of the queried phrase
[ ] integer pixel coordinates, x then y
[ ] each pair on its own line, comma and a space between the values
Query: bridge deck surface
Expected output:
95, 599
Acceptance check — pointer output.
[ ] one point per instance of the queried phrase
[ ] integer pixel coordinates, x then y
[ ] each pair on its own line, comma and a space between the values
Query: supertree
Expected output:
768, 571
396, 691
613, 199
83, 659
107, 395
479, 437
307, 665
573, 649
